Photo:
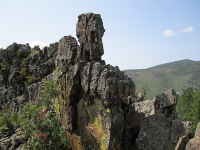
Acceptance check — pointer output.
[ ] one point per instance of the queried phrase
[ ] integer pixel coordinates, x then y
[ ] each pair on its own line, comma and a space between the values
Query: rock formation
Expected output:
10, 139
97, 101
154, 124
94, 95
194, 143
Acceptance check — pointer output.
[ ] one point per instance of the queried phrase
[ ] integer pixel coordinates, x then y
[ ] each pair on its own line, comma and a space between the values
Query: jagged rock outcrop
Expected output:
98, 104
94, 95
194, 143
89, 31
158, 128
11, 139
20, 66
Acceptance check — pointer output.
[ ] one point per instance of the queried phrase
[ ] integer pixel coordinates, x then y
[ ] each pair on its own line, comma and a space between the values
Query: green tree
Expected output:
189, 106
144, 93
40, 124
195, 112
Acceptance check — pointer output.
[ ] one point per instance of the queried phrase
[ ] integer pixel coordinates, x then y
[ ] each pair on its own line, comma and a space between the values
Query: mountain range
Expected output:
177, 75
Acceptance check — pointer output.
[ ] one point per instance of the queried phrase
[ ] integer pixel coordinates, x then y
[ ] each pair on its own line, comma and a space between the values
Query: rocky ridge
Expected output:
98, 104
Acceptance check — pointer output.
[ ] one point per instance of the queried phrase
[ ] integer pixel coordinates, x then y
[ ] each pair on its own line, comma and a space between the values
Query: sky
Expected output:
139, 33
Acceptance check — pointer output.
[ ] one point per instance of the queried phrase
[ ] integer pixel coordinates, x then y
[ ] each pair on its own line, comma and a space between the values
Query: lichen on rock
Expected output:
97, 101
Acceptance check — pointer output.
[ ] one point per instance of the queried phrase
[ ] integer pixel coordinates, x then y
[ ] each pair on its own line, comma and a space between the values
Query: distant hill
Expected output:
178, 75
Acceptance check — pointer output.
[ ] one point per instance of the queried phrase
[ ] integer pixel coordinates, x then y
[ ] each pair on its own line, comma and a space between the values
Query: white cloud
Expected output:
38, 43
187, 29
169, 32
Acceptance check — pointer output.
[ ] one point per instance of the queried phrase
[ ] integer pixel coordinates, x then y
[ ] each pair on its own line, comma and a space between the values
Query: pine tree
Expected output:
189, 106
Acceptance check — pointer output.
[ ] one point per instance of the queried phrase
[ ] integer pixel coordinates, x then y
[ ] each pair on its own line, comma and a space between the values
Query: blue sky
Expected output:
139, 33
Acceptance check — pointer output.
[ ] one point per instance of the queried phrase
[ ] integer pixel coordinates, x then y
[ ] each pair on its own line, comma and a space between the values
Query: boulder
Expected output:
165, 103
194, 143
158, 128
159, 132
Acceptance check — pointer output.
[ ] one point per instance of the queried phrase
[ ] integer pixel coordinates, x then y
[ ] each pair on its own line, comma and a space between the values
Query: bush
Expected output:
25, 77
30, 79
8, 119
4, 64
40, 122
22, 73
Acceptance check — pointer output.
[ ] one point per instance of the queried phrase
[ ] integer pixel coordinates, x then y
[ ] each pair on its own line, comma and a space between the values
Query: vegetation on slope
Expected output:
39, 121
188, 107
177, 75
183, 76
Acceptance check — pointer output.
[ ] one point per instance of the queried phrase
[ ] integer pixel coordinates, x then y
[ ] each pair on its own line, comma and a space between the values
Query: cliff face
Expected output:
94, 95
97, 101
20, 67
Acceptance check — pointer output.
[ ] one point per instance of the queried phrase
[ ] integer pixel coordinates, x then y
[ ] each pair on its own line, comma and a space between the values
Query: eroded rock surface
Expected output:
194, 143
11, 139
98, 104
89, 31
158, 128
94, 95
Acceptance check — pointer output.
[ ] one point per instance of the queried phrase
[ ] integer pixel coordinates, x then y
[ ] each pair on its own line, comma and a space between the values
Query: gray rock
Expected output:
98, 104
11, 141
95, 73
160, 132
67, 49
146, 107
24, 51
197, 133
194, 143
165, 103
34, 91
139, 97
158, 129
21, 66
89, 31
182, 142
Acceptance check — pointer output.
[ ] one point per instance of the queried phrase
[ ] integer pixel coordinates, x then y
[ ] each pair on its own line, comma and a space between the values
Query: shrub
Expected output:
4, 64
30, 79
22, 73
24, 62
25, 77
40, 122
8, 119
19, 53
34, 50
